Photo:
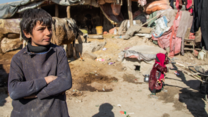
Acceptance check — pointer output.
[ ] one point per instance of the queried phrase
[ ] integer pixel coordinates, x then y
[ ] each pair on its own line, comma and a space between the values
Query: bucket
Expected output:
99, 30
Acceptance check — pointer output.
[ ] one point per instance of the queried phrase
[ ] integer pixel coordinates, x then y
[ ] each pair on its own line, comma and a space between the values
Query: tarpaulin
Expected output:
143, 52
76, 2
8, 10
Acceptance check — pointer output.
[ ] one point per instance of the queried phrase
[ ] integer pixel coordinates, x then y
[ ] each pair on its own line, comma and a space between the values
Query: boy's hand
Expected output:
49, 79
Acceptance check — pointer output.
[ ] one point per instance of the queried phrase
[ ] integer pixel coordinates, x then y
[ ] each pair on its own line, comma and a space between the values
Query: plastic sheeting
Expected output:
161, 26
143, 52
76, 2
30, 6
7, 10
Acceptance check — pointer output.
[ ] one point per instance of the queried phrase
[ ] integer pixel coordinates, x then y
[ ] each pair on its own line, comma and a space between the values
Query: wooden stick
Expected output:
56, 11
181, 65
151, 19
68, 11
112, 22
188, 73
130, 13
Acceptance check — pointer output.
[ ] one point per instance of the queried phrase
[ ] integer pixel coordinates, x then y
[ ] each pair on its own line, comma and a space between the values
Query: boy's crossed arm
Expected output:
19, 88
48, 80
25, 89
63, 81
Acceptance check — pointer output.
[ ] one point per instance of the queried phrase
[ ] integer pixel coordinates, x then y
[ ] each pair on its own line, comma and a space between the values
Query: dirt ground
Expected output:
103, 90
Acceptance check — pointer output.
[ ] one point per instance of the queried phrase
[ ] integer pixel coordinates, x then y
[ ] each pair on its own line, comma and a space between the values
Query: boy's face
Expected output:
41, 35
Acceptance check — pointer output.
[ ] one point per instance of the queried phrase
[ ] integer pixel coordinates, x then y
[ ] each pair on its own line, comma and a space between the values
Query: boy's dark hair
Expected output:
29, 19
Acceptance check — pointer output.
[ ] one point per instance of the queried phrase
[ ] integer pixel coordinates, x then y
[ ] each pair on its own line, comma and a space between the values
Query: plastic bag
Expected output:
161, 26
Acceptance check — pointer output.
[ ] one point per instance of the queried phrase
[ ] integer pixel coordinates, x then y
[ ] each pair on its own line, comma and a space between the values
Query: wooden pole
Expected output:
130, 13
56, 11
70, 46
68, 12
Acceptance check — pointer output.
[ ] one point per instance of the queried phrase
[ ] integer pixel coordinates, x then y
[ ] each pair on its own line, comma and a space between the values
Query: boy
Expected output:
39, 73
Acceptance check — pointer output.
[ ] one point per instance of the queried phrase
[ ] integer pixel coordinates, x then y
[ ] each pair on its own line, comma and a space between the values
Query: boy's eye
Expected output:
49, 28
41, 29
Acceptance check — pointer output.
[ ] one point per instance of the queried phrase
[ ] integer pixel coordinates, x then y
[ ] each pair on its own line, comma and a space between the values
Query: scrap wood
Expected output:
193, 75
182, 65
95, 36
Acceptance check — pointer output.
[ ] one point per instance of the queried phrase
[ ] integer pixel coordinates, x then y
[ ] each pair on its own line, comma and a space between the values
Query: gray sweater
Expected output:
26, 78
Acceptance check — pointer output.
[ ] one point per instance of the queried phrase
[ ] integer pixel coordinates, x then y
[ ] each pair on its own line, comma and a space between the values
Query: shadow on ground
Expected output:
189, 98
105, 110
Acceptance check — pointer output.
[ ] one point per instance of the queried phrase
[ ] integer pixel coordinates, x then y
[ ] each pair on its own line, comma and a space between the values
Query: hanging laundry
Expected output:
171, 3
200, 20
179, 4
189, 6
184, 25
197, 15
187, 3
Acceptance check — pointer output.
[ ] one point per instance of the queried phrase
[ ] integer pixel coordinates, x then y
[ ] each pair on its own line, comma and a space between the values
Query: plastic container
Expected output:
146, 78
99, 30
202, 54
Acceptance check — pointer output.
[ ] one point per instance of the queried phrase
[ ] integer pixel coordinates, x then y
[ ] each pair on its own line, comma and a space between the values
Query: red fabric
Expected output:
161, 62
159, 67
178, 4
175, 42
189, 4
161, 58
191, 36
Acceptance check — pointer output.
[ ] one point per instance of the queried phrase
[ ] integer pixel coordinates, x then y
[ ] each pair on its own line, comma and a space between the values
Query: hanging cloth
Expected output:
189, 6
